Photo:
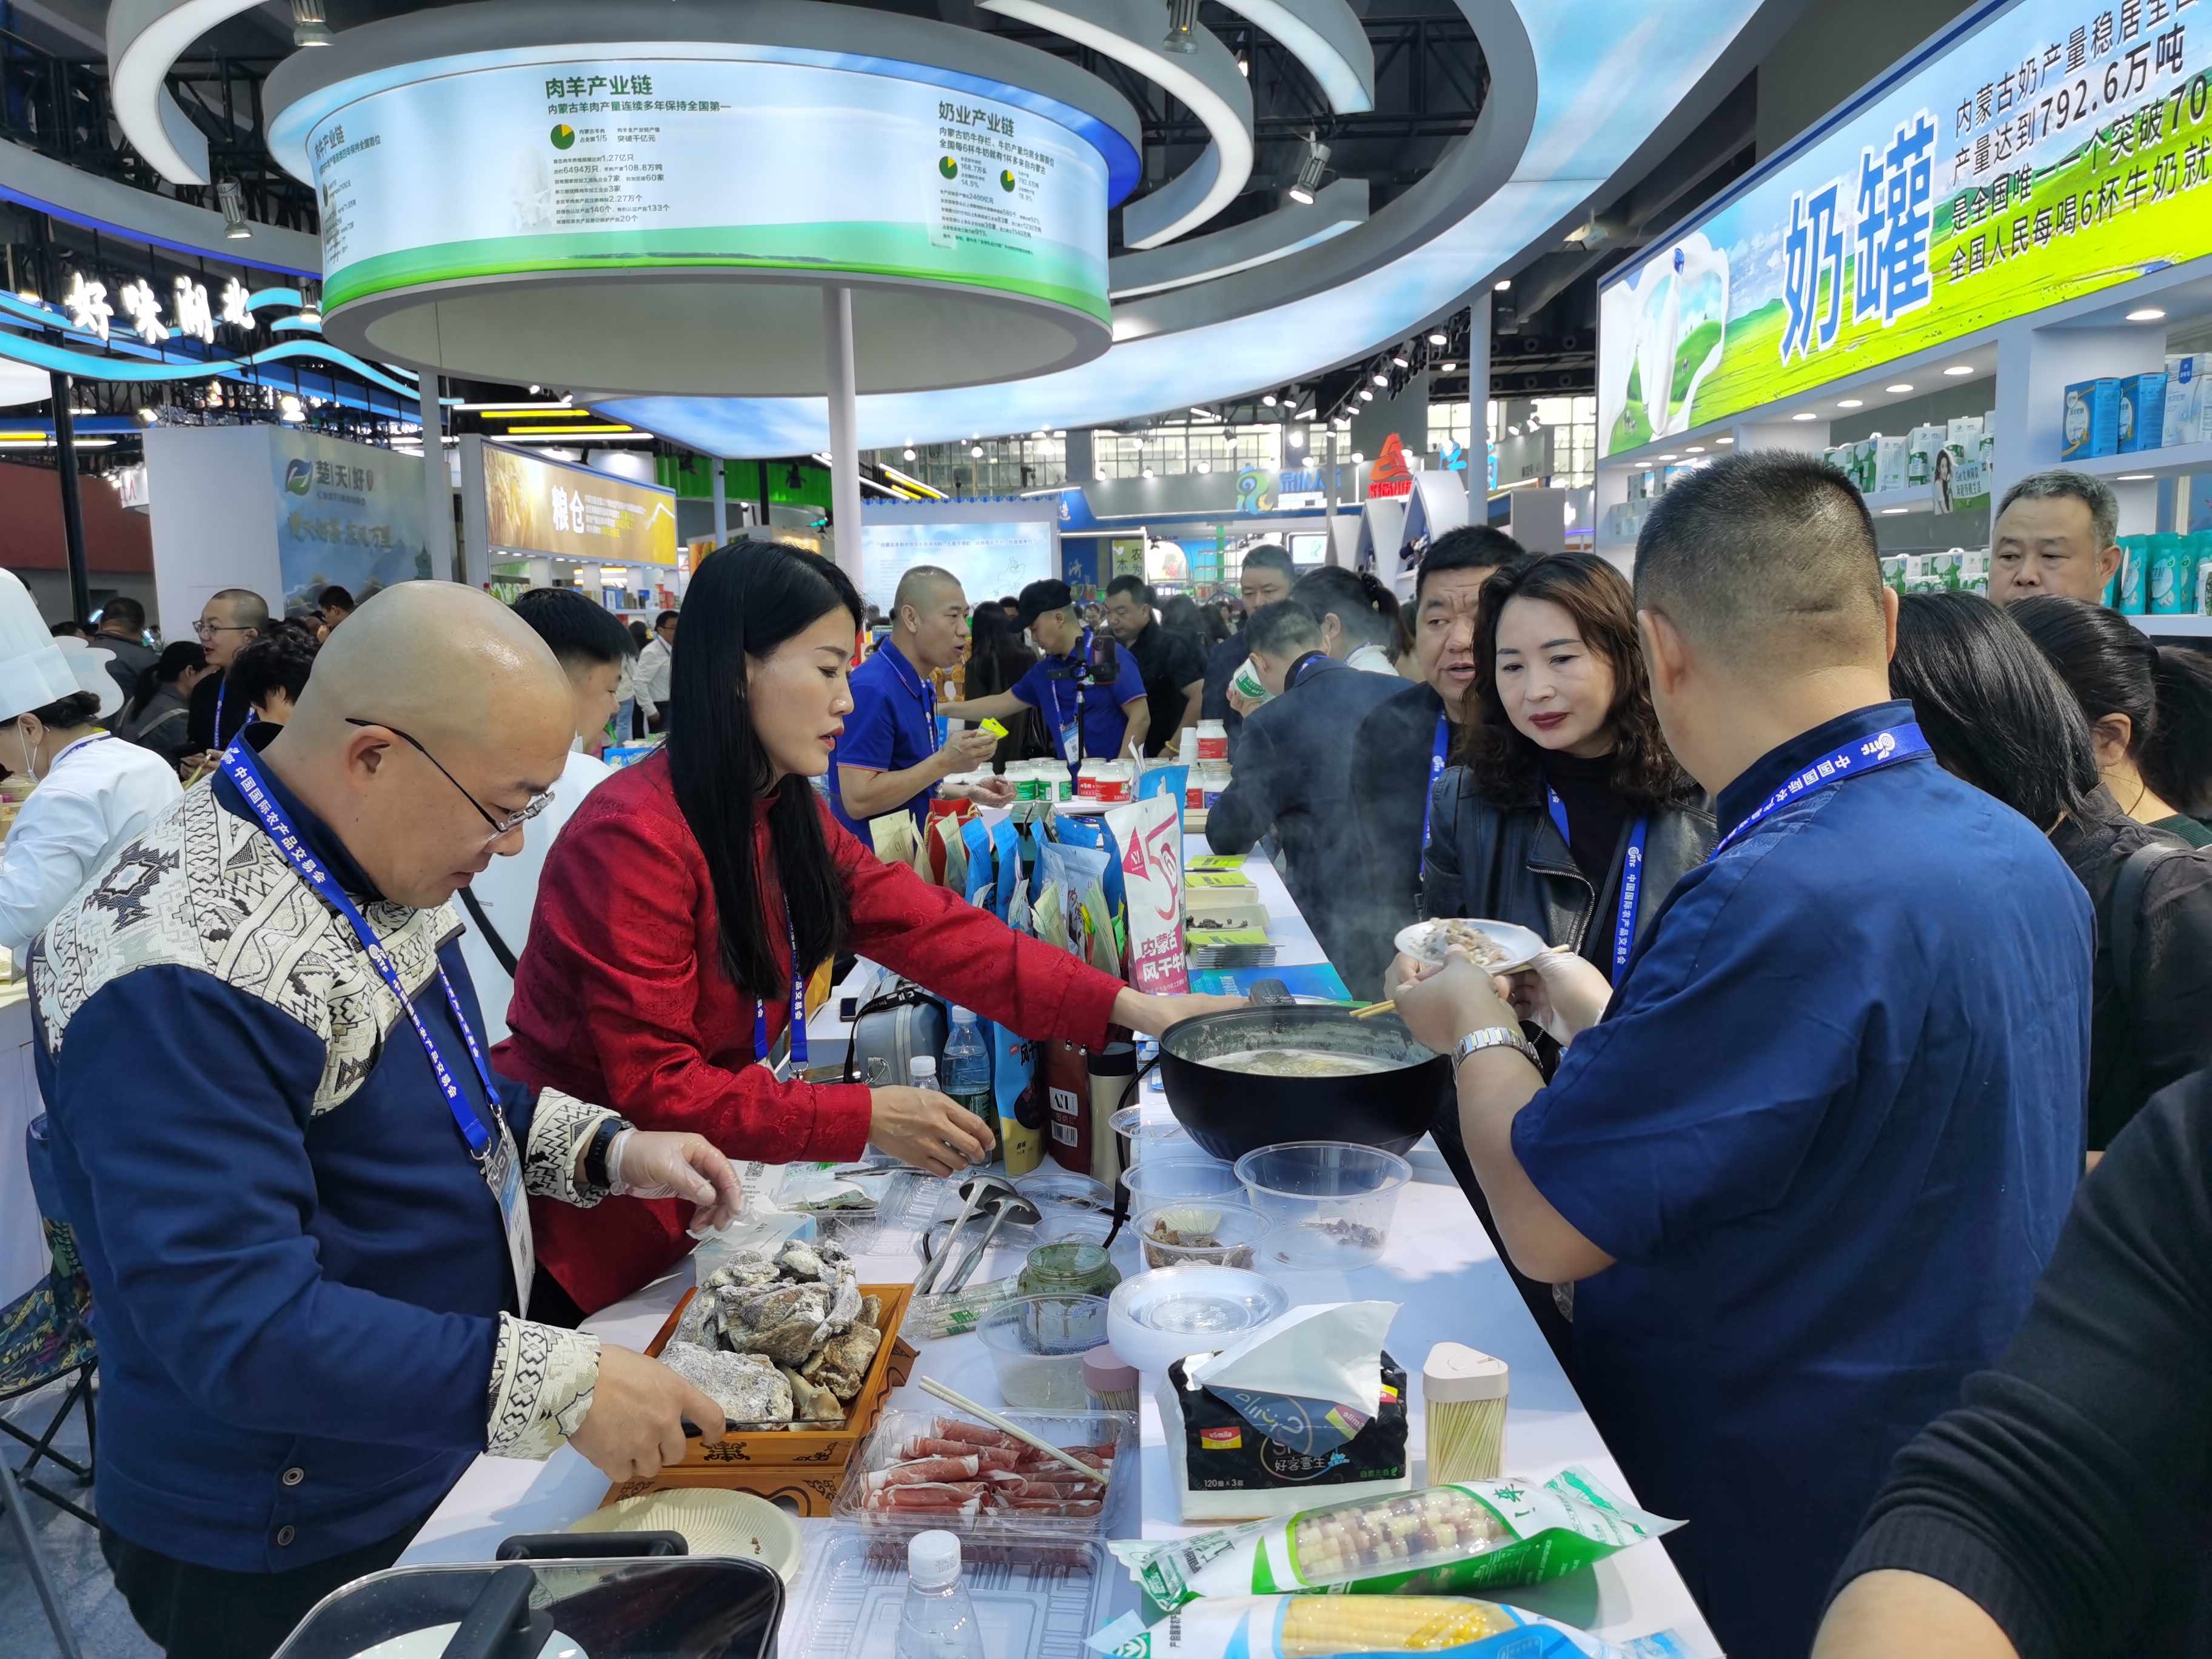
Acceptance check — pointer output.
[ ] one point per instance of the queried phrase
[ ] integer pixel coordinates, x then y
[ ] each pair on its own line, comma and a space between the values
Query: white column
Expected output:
1478, 403
844, 429
1329, 493
438, 486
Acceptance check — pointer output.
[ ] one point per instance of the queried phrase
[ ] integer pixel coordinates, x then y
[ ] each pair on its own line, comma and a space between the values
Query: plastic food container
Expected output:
1037, 1343
1091, 1428
1327, 1203
1218, 1233
1161, 1179
1213, 740
1032, 1600
1157, 1318
1161, 1137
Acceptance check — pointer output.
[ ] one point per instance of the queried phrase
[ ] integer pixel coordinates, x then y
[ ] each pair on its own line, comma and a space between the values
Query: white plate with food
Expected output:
1502, 947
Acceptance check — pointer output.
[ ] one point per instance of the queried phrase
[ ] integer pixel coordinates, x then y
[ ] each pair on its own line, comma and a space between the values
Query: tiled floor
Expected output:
102, 1622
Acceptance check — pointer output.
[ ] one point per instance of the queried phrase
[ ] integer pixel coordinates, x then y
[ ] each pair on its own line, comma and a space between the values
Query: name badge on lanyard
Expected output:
1631, 881
792, 1045
1855, 759
1071, 725
495, 1157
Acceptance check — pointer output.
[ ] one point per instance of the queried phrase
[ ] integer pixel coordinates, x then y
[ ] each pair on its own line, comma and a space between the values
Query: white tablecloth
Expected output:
1439, 1266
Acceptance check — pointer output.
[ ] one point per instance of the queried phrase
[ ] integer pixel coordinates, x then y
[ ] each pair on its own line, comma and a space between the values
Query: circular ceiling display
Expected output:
616, 213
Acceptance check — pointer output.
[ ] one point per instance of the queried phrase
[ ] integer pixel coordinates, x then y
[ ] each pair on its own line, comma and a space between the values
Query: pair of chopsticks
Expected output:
1373, 1009
931, 1385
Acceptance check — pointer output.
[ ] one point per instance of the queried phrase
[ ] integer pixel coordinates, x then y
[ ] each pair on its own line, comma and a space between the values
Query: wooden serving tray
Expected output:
803, 1465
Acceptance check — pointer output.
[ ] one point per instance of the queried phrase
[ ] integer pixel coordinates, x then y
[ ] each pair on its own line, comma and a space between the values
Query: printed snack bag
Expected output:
1021, 1123
1437, 1540
1322, 1626
1148, 832
982, 877
1005, 843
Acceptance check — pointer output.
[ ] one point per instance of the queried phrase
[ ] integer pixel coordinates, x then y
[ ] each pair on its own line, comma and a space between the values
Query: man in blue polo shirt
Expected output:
1805, 1169
1114, 718
888, 756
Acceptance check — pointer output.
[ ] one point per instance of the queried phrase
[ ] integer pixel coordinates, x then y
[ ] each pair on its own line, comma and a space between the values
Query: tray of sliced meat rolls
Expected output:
923, 1469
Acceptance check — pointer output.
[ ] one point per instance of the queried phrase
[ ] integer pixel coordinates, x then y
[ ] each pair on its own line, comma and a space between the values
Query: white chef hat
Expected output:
36, 668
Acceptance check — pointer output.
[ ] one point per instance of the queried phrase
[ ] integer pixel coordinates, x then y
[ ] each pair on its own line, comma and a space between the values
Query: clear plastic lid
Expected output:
933, 1559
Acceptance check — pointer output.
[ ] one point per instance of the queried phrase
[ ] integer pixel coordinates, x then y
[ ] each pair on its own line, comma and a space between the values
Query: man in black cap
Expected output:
1089, 721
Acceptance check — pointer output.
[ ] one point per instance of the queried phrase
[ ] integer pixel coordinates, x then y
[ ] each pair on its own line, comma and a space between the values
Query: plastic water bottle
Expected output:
937, 1621
967, 1075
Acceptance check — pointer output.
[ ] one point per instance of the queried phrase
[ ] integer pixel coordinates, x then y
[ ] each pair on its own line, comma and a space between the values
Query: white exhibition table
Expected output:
1439, 1266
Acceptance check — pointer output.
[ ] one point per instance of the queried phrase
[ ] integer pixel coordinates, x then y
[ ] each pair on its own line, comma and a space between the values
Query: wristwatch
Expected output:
595, 1154
1494, 1036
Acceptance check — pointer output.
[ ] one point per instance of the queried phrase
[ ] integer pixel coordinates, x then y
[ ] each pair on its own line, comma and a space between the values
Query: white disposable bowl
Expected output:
1154, 1319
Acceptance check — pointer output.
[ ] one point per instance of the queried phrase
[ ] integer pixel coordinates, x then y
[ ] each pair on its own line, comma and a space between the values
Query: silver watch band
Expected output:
1493, 1037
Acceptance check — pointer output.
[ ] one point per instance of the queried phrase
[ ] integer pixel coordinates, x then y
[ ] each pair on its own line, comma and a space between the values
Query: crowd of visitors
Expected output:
1874, 926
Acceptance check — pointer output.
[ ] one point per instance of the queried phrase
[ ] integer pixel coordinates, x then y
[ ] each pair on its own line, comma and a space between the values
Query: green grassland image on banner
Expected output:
2040, 150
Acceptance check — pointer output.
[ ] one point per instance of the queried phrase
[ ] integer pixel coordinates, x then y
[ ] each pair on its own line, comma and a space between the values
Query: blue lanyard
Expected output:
222, 686
1436, 770
1060, 721
1298, 670
1632, 880
1855, 759
920, 688
798, 1004
245, 772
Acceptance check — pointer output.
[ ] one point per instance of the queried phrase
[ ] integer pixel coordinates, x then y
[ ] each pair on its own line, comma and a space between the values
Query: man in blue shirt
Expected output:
888, 756
1804, 1171
1114, 718
310, 1260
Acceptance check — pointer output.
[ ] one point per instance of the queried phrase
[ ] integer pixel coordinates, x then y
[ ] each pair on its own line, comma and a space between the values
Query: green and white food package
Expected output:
1322, 1626
1433, 1541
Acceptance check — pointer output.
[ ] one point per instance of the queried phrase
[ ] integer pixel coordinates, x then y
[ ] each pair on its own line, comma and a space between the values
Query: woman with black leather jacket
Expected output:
1566, 812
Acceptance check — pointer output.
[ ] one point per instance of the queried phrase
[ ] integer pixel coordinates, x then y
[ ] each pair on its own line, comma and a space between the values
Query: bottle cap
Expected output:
933, 1559
920, 1067
1454, 1372
1105, 1372
963, 1017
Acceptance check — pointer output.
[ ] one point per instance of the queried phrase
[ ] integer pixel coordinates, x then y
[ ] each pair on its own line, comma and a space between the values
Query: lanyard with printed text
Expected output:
1068, 724
1436, 770
494, 1153
1632, 880
796, 1035
1855, 759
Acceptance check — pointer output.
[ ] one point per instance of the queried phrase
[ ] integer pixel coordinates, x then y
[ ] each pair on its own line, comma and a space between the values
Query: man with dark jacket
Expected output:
1403, 747
122, 635
1172, 665
1294, 764
1266, 579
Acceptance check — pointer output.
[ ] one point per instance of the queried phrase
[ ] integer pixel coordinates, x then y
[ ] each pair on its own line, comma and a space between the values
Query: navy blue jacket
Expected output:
1293, 772
298, 1271
1828, 1130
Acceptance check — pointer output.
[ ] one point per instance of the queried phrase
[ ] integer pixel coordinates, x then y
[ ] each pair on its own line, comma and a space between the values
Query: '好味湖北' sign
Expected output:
2043, 149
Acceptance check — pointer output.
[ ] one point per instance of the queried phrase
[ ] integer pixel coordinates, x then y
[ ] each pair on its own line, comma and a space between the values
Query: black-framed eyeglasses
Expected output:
208, 630
500, 825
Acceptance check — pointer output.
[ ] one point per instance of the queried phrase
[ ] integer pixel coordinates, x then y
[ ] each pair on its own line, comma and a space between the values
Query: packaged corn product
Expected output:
1328, 1626
1472, 1536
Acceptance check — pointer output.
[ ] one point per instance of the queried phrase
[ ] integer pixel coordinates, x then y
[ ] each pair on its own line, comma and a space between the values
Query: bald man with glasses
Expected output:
300, 1192
230, 621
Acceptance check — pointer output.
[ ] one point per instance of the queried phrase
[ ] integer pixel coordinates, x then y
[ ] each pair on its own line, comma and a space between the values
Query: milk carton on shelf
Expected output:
1920, 447
2185, 411
1889, 462
2143, 412
2092, 419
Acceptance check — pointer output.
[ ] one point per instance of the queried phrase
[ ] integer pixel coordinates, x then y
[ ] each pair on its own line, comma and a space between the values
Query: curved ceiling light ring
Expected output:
145, 38
1328, 41
1205, 81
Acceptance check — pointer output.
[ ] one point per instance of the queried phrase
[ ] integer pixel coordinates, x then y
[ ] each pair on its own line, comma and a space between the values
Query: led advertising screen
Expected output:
636, 162
533, 505
991, 558
2043, 149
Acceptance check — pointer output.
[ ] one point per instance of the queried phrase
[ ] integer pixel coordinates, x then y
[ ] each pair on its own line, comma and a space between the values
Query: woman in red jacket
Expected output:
659, 977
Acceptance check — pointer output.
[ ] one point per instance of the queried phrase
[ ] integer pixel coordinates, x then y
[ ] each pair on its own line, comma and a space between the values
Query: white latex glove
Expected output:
1562, 993
652, 1163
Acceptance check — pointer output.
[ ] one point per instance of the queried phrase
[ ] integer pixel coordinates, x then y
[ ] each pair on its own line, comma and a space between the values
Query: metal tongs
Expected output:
973, 1190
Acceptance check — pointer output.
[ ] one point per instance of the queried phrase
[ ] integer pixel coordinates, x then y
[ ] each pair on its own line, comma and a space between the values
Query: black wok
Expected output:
1229, 1113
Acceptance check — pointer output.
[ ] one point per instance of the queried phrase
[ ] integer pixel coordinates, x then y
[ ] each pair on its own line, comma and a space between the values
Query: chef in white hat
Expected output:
95, 792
